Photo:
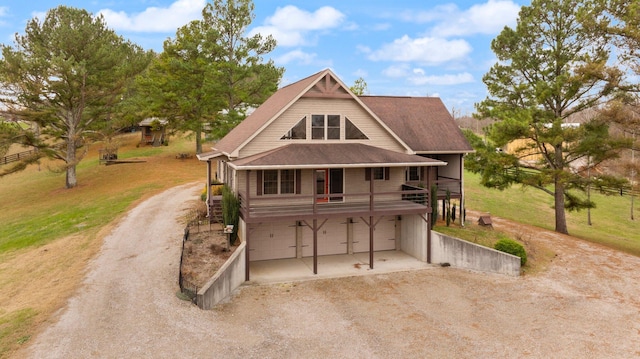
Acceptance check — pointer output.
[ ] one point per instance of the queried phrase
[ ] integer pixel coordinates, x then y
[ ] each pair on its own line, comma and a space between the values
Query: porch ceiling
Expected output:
331, 155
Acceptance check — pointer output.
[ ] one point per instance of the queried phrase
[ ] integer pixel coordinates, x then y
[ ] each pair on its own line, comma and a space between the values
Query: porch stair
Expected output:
215, 210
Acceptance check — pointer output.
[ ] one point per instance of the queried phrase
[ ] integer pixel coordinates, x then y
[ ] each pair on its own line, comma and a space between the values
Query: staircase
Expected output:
215, 210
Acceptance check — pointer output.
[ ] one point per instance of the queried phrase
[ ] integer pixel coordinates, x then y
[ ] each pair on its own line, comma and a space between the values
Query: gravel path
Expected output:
586, 304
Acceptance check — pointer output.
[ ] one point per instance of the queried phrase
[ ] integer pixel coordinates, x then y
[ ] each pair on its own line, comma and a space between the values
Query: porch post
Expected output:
209, 189
462, 205
315, 223
371, 209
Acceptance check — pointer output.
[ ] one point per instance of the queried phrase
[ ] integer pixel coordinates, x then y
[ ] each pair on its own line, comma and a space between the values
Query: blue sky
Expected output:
404, 48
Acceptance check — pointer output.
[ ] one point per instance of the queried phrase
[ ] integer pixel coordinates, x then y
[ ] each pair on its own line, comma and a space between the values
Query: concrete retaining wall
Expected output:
463, 254
226, 280
413, 236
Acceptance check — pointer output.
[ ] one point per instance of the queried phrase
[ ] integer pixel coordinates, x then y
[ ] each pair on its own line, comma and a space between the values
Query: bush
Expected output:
230, 211
512, 247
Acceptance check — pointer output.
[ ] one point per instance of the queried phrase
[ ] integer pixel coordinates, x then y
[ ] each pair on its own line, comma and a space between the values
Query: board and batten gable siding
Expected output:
354, 183
269, 138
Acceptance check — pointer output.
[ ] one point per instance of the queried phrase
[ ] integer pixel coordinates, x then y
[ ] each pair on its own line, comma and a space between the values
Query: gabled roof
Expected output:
282, 100
341, 155
423, 123
150, 120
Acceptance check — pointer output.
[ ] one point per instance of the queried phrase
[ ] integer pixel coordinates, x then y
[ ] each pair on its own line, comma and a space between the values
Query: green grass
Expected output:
36, 210
14, 328
611, 223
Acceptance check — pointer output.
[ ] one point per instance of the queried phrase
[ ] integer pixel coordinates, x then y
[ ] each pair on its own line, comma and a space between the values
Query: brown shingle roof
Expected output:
423, 123
314, 155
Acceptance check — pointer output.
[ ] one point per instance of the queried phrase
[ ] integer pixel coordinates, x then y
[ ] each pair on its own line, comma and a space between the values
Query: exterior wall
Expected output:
452, 169
269, 138
353, 182
413, 236
225, 281
469, 255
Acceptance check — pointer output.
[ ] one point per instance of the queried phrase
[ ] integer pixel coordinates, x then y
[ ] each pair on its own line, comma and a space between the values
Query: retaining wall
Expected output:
228, 278
463, 254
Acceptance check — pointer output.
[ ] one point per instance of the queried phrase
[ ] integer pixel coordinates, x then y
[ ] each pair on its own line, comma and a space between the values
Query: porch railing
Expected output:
409, 198
454, 186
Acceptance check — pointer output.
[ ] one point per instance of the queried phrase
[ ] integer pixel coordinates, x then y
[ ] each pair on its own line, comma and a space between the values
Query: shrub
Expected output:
230, 211
434, 205
512, 247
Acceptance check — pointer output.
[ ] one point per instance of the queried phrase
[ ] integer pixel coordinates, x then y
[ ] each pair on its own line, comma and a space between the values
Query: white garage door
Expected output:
272, 241
384, 235
332, 238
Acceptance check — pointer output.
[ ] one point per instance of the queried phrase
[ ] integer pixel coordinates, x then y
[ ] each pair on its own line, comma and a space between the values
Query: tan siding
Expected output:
269, 138
354, 183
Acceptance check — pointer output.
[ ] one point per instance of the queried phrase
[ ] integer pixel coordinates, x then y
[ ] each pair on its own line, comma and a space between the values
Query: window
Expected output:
287, 181
413, 174
270, 182
333, 127
325, 127
378, 173
352, 132
297, 132
317, 127
278, 181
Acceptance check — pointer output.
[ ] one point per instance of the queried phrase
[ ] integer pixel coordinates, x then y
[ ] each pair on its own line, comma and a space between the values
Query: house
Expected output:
152, 131
321, 171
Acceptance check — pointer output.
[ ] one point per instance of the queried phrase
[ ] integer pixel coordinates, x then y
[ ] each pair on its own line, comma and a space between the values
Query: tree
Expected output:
180, 83
65, 74
360, 87
210, 73
245, 80
553, 65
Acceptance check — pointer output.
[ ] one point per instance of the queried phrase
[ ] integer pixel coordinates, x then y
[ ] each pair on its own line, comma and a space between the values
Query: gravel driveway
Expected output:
586, 304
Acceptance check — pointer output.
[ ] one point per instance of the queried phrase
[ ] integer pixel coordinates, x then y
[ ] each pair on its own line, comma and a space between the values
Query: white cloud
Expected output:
487, 18
423, 79
425, 50
290, 26
361, 73
397, 71
295, 55
435, 14
449, 20
156, 19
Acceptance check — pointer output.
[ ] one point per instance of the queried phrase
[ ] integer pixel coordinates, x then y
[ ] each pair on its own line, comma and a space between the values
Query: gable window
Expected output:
352, 132
325, 127
297, 132
278, 182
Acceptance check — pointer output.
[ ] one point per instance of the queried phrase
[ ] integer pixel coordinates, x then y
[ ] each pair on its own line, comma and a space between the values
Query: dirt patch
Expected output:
204, 253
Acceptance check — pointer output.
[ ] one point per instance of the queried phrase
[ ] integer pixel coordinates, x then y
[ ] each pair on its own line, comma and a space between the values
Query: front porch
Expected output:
409, 200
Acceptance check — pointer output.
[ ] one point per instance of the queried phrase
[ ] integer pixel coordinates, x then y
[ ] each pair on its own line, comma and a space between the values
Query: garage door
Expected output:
332, 238
272, 241
384, 235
